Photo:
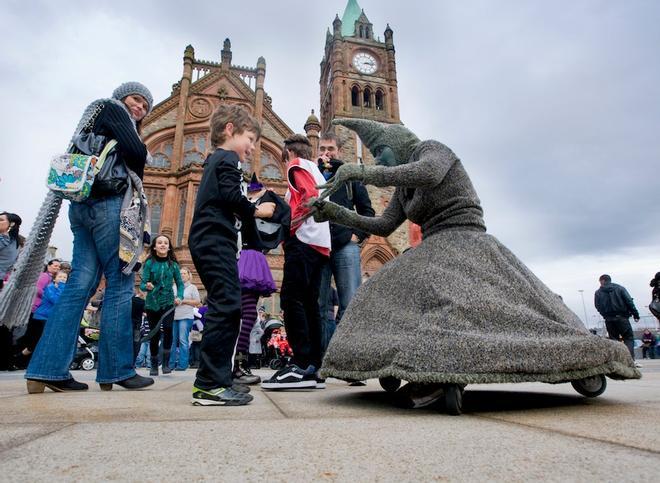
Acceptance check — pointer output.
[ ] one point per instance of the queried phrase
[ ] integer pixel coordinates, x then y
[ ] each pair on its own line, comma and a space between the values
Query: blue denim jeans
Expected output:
180, 333
143, 358
344, 266
95, 227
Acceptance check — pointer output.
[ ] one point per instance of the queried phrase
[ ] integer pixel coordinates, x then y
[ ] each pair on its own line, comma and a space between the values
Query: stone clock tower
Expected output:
358, 79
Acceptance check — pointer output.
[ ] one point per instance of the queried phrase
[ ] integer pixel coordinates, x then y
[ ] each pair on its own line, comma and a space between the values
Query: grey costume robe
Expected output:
460, 307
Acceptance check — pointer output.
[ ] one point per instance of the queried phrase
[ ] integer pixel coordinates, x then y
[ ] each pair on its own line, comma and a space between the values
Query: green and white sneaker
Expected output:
220, 396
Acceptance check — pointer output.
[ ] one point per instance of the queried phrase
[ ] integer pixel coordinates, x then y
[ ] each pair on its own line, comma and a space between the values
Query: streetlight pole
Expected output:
586, 322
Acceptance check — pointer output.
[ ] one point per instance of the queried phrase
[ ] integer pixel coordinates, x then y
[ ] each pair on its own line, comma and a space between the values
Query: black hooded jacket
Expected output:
613, 300
353, 196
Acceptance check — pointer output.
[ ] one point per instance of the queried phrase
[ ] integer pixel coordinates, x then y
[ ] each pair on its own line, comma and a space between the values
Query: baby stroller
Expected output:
275, 345
86, 356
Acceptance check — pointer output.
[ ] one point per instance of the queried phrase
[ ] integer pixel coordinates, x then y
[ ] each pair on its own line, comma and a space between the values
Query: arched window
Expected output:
367, 97
355, 96
366, 33
361, 31
380, 105
183, 200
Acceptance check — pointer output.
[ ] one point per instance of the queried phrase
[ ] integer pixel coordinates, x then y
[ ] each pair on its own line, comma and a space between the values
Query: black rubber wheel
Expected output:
454, 399
389, 383
590, 386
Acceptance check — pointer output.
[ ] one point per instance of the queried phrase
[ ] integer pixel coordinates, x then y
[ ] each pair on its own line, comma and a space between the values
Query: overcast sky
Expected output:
552, 106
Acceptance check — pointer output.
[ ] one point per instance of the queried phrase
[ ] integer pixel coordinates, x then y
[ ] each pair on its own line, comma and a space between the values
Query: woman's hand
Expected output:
177, 301
150, 286
265, 210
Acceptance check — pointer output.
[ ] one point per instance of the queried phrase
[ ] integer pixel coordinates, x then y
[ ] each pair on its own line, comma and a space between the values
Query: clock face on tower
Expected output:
365, 63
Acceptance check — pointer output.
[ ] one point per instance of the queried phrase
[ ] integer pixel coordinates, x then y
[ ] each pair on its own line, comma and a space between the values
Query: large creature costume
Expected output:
460, 308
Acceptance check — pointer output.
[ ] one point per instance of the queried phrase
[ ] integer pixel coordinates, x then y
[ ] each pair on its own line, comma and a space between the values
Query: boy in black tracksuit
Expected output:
213, 237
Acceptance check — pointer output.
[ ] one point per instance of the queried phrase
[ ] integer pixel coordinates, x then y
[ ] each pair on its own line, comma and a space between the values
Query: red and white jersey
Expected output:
303, 176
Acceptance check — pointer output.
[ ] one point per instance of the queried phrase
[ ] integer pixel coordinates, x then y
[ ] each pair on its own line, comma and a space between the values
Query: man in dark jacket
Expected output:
344, 263
616, 306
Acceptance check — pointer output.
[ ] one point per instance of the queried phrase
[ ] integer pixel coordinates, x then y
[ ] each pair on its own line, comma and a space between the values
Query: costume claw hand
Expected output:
326, 211
345, 173
312, 204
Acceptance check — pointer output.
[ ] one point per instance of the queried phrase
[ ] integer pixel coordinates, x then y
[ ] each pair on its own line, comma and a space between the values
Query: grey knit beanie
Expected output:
375, 134
128, 88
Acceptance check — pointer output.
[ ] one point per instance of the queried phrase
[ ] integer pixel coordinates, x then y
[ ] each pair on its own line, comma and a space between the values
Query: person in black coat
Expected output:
344, 263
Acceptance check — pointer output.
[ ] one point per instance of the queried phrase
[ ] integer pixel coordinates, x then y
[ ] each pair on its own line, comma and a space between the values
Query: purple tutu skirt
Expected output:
254, 273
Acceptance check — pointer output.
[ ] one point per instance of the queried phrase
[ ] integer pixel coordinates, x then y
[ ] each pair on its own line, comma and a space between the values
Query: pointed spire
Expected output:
351, 15
225, 55
189, 52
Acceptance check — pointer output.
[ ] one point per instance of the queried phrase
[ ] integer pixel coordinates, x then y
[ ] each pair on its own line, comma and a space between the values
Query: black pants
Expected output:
650, 350
620, 326
6, 349
32, 334
216, 264
299, 300
153, 316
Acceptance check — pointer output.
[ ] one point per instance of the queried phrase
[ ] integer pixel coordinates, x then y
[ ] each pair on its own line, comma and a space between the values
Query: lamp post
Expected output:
586, 322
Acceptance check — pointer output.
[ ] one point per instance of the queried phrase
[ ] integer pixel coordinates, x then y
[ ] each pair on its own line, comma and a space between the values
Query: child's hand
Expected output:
265, 210
150, 286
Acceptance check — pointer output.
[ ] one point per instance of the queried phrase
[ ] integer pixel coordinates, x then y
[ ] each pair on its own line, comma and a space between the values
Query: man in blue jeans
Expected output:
344, 263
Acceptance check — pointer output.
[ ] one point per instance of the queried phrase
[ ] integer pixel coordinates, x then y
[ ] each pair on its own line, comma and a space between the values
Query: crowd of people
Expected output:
163, 322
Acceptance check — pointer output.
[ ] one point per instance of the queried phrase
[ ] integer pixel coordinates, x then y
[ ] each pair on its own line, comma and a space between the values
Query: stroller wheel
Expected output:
590, 386
275, 364
454, 399
87, 364
390, 384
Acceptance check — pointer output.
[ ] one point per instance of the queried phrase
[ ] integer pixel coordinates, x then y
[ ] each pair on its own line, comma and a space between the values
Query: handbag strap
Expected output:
104, 154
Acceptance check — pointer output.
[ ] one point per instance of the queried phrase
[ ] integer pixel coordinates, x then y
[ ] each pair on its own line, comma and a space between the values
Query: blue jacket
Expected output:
51, 296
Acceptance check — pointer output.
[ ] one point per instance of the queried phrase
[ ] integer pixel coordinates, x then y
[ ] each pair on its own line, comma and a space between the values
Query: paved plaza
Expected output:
509, 432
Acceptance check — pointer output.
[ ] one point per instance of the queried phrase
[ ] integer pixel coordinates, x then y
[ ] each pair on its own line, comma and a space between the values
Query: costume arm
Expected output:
426, 169
382, 225
363, 206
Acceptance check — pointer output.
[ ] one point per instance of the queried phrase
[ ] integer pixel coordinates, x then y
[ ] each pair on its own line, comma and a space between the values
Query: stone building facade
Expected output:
358, 79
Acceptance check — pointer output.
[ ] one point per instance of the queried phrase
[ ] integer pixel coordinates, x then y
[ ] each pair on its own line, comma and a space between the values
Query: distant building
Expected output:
358, 79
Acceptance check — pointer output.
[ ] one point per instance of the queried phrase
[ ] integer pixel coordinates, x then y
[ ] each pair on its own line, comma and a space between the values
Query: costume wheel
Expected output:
590, 386
454, 399
275, 364
87, 364
389, 383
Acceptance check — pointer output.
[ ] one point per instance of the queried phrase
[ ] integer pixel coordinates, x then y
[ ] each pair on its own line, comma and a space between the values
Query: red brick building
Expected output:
358, 79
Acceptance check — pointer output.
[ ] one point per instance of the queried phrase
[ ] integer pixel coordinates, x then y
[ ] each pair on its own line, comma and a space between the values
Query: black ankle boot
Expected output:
153, 371
166, 362
132, 383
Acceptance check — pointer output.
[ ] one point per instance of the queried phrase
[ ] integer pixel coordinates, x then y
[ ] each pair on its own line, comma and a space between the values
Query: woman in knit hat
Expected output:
95, 225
